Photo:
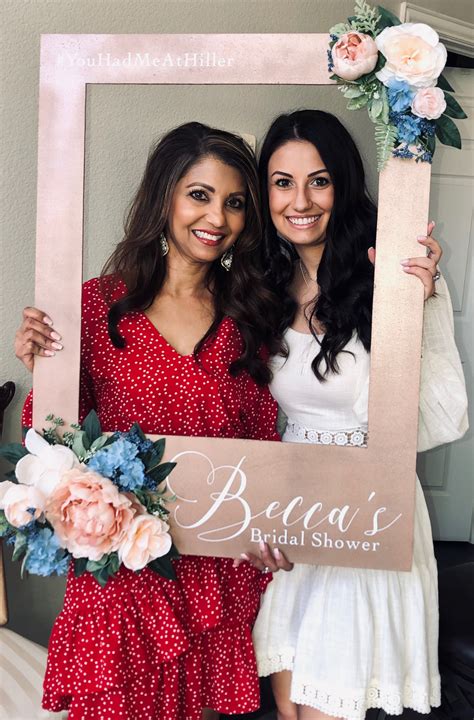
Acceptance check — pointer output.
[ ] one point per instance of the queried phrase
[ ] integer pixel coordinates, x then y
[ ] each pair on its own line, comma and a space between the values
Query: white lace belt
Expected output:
356, 437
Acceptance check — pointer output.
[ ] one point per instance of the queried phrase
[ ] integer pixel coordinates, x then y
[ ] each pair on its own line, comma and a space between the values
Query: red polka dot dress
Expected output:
143, 647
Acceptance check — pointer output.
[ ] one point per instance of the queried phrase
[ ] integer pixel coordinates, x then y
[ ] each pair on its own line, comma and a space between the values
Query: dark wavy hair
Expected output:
241, 294
345, 275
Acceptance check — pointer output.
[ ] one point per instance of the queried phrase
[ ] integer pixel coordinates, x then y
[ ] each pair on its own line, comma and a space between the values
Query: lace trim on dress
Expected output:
352, 705
356, 437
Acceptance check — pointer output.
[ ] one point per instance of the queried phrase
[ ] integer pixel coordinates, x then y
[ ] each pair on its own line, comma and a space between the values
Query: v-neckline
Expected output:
167, 343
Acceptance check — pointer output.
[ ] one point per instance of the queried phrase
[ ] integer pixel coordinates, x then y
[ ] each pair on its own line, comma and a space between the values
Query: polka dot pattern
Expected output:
146, 648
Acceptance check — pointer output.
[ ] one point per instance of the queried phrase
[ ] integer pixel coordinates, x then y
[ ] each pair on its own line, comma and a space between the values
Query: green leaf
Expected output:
80, 444
164, 567
353, 92
80, 566
453, 108
99, 443
358, 102
444, 84
387, 18
20, 547
340, 29
91, 426
375, 109
385, 138
447, 132
13, 452
5, 527
136, 427
160, 472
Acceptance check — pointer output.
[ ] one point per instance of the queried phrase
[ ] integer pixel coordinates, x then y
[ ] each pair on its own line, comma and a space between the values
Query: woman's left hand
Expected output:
426, 267
268, 561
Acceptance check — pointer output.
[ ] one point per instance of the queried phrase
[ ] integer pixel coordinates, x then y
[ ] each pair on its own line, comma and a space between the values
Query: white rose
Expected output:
413, 53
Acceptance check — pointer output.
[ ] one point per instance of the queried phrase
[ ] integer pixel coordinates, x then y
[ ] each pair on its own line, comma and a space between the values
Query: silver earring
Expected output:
165, 248
226, 259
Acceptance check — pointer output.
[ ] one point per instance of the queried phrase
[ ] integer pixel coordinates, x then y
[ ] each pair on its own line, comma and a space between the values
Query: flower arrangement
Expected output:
88, 496
394, 70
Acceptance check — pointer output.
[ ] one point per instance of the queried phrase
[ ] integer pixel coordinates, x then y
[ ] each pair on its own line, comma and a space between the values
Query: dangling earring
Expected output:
226, 259
165, 248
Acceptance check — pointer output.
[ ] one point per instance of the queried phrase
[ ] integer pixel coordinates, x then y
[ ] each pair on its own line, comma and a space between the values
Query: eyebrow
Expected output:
310, 175
213, 190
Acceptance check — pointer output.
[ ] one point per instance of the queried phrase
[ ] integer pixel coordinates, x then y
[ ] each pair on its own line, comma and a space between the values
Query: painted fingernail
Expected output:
277, 553
404, 262
407, 268
47, 320
55, 335
432, 222
49, 353
57, 346
262, 545
421, 237
244, 556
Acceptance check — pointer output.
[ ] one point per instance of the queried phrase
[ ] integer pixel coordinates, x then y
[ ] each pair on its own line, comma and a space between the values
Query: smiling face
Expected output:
300, 193
207, 211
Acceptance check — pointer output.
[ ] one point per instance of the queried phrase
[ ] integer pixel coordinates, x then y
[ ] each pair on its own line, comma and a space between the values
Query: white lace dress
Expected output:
357, 639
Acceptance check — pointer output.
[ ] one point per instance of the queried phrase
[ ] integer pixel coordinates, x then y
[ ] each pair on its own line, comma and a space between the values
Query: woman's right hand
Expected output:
36, 336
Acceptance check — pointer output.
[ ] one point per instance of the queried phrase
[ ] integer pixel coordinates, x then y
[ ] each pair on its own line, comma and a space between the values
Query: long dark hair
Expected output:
345, 275
240, 294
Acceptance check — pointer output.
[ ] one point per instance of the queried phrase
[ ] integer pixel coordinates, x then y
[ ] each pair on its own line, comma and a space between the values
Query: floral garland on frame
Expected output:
89, 496
394, 70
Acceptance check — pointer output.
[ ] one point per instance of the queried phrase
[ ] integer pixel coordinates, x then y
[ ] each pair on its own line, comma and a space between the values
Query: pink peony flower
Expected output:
88, 513
147, 538
413, 53
429, 103
355, 54
18, 500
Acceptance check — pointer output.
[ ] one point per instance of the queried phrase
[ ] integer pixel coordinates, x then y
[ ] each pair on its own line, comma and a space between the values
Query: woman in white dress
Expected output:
338, 641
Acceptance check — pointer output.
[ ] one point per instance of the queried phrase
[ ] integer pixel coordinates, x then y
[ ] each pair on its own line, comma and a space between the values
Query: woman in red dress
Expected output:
172, 338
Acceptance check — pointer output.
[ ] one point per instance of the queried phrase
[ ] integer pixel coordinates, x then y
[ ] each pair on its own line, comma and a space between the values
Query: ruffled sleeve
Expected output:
443, 399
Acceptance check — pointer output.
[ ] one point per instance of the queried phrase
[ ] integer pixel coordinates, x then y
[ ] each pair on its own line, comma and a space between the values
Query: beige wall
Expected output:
122, 122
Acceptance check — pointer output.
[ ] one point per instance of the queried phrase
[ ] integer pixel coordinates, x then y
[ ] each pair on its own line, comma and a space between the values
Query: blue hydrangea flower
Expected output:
143, 444
408, 126
44, 555
132, 474
109, 459
119, 462
400, 95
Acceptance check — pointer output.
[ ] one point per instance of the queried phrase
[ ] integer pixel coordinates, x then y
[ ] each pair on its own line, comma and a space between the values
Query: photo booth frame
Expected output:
332, 505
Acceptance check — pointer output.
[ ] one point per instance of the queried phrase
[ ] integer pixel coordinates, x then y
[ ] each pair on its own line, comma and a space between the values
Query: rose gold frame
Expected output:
375, 481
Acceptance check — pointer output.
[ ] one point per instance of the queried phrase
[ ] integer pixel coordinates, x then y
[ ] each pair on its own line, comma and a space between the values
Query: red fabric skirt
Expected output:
146, 648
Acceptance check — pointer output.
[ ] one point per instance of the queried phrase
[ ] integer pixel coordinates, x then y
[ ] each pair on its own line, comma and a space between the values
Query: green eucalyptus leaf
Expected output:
99, 443
375, 109
453, 108
444, 84
447, 132
12, 452
353, 92
358, 102
91, 426
387, 18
